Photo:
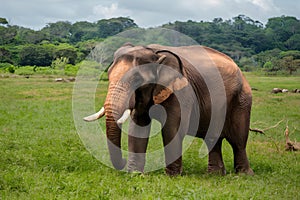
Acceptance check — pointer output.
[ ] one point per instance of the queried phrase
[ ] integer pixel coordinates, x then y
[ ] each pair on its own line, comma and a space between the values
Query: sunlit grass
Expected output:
42, 157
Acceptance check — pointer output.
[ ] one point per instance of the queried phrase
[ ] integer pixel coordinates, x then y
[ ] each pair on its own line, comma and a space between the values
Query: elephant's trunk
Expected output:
115, 105
113, 133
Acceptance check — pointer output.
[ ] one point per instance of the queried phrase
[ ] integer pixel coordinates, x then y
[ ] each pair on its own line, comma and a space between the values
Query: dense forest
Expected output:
272, 48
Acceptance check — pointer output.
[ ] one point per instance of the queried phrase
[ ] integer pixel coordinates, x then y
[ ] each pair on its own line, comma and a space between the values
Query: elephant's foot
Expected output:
246, 171
218, 170
135, 164
174, 168
173, 172
132, 168
215, 160
241, 163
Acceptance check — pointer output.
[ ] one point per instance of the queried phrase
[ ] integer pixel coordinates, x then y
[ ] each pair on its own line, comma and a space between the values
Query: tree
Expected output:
290, 64
3, 21
59, 63
293, 43
280, 29
247, 64
113, 26
270, 55
36, 55
290, 60
244, 39
5, 56
7, 35
29, 36
81, 31
217, 20
294, 53
66, 51
268, 66
58, 31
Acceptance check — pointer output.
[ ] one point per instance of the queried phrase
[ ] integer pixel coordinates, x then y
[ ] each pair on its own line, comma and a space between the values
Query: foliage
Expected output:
7, 35
59, 63
5, 55
247, 41
290, 64
3, 21
11, 69
7, 67
247, 64
23, 46
71, 70
268, 65
59, 31
243, 36
4, 65
28, 36
67, 51
25, 70
40, 55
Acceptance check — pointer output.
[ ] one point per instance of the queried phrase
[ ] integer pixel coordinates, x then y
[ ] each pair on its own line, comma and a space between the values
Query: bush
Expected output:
71, 70
26, 70
11, 69
59, 63
43, 70
5, 65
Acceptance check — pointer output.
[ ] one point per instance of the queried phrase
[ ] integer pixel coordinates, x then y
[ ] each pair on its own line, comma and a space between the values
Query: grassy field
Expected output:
42, 157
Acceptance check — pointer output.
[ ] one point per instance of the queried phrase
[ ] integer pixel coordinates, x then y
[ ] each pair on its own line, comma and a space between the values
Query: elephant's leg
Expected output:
172, 139
137, 144
241, 163
237, 138
173, 155
215, 160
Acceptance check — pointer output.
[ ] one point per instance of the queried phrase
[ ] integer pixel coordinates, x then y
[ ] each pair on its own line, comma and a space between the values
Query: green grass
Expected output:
42, 157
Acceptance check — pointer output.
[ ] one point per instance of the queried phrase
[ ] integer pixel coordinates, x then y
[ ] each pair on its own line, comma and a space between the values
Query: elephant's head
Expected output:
138, 78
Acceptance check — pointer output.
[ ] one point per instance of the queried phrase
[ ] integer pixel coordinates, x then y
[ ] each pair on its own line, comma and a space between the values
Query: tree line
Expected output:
272, 47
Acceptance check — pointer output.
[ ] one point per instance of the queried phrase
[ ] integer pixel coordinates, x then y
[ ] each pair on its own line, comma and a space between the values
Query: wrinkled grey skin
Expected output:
136, 90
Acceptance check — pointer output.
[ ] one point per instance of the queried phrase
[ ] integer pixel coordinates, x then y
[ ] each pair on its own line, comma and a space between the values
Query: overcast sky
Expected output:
146, 13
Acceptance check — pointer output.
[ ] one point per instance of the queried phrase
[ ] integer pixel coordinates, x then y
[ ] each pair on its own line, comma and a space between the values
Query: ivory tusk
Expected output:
124, 117
95, 116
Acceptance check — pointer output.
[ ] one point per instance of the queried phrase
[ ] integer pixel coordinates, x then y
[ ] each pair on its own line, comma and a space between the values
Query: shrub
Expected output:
59, 63
7, 67
71, 70
11, 69
43, 70
26, 70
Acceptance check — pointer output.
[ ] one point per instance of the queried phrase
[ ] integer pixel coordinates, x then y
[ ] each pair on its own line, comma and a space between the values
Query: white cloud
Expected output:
266, 5
110, 11
199, 5
214, 2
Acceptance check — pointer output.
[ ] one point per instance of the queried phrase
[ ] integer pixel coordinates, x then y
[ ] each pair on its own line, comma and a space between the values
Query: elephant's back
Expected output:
202, 57
208, 57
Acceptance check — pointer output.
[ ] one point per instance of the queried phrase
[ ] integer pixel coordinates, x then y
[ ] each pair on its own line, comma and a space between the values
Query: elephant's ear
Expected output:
162, 93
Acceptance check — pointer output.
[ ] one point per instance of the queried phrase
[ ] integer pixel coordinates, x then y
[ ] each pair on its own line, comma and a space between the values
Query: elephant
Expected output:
143, 80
